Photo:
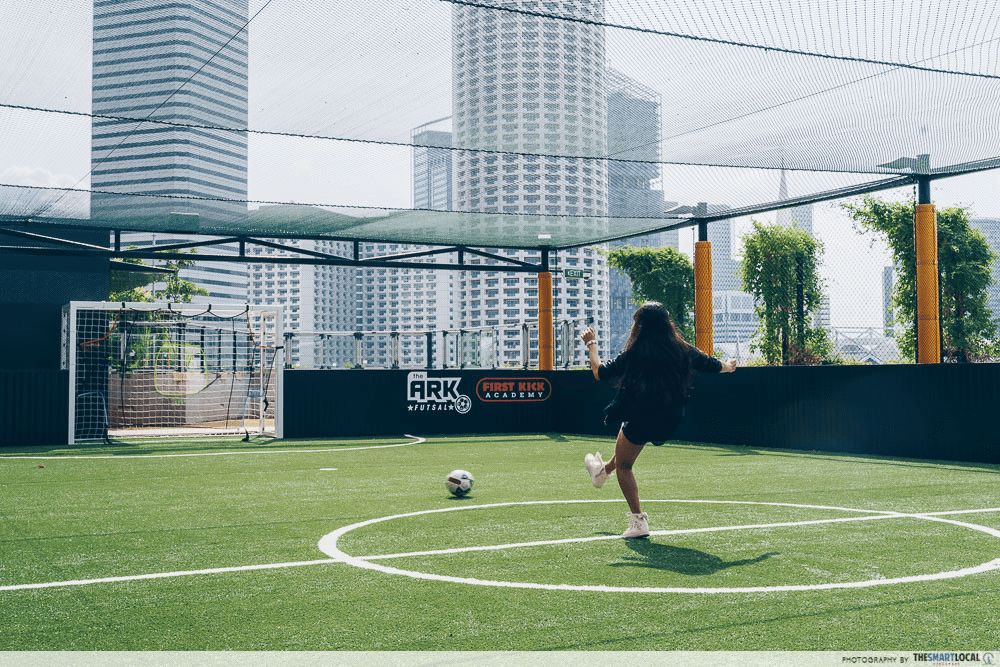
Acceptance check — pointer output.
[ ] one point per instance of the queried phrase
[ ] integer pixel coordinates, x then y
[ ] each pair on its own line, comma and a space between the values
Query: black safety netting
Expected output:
498, 124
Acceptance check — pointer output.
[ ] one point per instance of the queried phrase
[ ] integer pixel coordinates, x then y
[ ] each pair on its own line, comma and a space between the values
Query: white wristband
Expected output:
592, 343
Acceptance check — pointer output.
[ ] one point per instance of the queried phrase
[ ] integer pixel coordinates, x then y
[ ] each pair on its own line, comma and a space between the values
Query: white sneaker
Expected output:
638, 525
595, 466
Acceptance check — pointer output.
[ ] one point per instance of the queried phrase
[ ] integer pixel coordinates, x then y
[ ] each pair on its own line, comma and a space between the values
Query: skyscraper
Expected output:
798, 215
409, 302
528, 97
185, 67
317, 300
634, 144
802, 216
414, 301
432, 175
734, 320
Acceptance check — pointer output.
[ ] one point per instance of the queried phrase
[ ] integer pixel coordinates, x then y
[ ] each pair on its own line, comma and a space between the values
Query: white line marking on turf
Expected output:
417, 441
327, 468
951, 512
166, 575
363, 561
328, 544
686, 531
596, 538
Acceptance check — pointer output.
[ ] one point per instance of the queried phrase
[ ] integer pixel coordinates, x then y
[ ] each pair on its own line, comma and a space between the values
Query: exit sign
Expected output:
575, 273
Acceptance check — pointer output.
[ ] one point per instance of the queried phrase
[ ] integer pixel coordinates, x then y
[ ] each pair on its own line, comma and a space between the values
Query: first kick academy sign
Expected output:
437, 393
519, 390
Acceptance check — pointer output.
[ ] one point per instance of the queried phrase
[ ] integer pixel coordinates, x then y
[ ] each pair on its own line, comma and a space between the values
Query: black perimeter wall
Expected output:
944, 412
33, 290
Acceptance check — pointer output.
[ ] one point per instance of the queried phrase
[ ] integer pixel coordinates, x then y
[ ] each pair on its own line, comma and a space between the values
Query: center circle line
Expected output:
328, 544
654, 533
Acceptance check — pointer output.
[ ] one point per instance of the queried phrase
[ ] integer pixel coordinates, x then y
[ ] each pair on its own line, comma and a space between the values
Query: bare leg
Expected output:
625, 455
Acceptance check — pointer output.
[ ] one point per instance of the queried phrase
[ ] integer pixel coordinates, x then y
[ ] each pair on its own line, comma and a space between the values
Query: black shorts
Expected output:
656, 431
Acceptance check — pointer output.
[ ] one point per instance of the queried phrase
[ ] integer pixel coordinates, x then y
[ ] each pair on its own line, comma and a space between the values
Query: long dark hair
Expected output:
658, 365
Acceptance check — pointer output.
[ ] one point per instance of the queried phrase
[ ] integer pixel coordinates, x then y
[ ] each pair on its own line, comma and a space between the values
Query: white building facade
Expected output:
185, 66
397, 308
634, 139
317, 300
528, 96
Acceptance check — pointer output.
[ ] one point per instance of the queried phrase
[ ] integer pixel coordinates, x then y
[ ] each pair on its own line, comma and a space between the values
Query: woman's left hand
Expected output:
729, 366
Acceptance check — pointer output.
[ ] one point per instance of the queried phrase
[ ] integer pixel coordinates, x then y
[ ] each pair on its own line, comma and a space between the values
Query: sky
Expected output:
377, 69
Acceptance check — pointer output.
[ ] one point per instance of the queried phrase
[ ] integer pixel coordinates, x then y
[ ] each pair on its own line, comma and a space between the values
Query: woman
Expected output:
655, 375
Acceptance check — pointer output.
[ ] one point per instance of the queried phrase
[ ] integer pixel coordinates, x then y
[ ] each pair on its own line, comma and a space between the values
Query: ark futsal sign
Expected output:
521, 390
435, 393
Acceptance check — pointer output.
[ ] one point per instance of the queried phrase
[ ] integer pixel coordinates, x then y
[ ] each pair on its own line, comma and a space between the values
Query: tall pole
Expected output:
546, 356
703, 290
928, 296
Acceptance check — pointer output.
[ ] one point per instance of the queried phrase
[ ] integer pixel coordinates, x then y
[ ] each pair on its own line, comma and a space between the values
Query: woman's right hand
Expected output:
588, 335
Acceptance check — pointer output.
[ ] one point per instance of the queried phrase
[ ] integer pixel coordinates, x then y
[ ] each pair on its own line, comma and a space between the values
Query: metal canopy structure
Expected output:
52, 245
316, 103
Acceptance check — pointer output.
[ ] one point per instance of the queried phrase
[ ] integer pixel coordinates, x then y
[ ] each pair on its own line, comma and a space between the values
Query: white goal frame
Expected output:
231, 385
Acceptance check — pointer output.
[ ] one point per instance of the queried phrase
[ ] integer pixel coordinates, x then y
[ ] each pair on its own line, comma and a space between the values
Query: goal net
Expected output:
146, 369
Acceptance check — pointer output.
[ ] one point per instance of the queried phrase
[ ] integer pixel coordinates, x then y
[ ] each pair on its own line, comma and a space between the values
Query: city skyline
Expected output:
274, 176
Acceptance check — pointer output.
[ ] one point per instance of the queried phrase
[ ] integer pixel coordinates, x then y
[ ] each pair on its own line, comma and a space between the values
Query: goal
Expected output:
155, 369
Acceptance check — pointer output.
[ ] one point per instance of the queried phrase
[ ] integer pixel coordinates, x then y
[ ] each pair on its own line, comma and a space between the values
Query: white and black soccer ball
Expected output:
459, 482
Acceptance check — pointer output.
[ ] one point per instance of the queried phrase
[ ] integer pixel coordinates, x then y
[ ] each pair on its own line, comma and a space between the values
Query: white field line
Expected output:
687, 531
951, 512
329, 546
328, 561
417, 440
165, 575
683, 531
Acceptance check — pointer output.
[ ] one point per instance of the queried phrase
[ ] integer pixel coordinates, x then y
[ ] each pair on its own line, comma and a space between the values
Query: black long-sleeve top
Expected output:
625, 406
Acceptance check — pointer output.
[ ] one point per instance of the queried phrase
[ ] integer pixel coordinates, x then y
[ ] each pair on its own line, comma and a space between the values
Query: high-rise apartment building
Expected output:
186, 67
317, 300
529, 98
396, 308
734, 320
634, 147
432, 175
403, 305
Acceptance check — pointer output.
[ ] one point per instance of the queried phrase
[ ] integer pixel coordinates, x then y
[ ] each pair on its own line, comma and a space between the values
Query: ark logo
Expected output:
435, 393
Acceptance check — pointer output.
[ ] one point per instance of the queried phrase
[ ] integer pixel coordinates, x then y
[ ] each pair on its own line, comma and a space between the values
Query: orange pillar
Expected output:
546, 358
703, 296
928, 300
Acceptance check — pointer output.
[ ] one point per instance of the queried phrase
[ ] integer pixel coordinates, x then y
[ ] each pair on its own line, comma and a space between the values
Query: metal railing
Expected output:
473, 347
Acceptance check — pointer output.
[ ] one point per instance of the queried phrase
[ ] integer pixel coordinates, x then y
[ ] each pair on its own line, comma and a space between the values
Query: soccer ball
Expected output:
459, 482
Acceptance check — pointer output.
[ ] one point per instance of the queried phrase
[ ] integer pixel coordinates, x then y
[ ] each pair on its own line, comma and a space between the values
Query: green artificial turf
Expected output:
182, 506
